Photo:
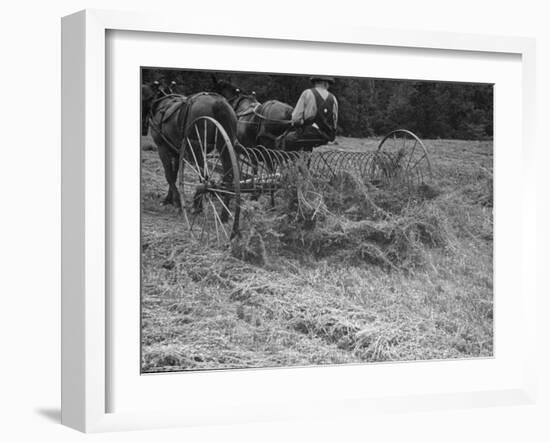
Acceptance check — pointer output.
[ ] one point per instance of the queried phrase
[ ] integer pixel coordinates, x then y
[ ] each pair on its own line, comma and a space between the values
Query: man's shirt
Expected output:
306, 107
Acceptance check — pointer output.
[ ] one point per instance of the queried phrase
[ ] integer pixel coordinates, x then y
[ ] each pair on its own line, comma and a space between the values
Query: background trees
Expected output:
368, 107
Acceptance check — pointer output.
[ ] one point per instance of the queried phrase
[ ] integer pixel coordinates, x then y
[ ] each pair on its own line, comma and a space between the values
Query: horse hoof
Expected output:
196, 210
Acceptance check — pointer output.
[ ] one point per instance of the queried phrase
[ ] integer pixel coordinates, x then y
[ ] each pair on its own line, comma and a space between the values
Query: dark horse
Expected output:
148, 94
168, 117
257, 123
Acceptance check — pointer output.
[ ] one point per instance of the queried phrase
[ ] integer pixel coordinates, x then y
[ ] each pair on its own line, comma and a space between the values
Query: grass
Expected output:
326, 279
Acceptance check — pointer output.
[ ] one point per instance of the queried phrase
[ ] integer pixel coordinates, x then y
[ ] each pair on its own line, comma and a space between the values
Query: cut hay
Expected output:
346, 220
322, 277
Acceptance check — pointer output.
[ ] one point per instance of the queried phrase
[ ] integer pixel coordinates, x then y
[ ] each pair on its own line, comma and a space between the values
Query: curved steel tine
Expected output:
270, 153
259, 165
334, 163
373, 170
300, 159
319, 165
325, 165
358, 161
245, 162
254, 175
352, 164
266, 155
294, 162
341, 163
263, 169
365, 165
314, 158
385, 164
360, 158
300, 156
270, 169
286, 163
280, 158
339, 160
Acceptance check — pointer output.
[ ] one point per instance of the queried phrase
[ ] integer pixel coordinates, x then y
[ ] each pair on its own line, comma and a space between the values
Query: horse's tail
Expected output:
225, 115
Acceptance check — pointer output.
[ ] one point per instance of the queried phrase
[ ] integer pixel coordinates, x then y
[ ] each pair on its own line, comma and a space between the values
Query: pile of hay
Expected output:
344, 220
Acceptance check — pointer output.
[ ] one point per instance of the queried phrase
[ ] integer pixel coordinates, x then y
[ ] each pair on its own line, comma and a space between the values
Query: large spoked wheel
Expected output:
402, 157
208, 182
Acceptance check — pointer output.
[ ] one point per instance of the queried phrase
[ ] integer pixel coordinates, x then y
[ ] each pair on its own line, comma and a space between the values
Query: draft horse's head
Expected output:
237, 98
225, 88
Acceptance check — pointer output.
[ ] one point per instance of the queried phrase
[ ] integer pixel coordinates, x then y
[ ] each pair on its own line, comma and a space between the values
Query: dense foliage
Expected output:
368, 107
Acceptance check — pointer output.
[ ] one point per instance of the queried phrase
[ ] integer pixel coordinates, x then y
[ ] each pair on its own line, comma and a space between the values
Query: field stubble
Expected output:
326, 277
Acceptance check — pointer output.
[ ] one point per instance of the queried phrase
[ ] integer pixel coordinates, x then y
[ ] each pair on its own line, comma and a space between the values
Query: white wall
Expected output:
30, 221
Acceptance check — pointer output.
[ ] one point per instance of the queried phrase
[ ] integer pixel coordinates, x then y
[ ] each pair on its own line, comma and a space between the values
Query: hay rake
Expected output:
214, 174
400, 158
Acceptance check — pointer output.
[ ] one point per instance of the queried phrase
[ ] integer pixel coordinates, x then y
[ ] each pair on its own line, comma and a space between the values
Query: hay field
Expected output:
416, 284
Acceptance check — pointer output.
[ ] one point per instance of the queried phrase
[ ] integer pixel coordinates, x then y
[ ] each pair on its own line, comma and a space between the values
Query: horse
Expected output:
169, 116
258, 124
148, 94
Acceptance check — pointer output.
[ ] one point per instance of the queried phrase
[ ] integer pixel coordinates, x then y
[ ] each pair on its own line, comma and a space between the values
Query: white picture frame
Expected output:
85, 234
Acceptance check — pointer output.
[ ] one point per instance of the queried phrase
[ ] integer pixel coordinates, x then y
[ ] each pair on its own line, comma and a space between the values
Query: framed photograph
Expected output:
283, 223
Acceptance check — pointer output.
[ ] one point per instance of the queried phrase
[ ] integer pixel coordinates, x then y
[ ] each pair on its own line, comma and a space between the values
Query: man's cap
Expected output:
315, 78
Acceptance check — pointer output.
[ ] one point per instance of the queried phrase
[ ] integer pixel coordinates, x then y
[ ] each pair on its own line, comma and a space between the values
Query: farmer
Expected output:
314, 119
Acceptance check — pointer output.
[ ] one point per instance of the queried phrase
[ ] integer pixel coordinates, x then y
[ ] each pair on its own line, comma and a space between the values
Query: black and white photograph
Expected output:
295, 221
292, 220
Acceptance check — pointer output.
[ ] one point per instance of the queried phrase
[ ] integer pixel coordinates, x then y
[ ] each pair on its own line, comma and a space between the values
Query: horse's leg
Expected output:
167, 159
225, 214
176, 201
256, 194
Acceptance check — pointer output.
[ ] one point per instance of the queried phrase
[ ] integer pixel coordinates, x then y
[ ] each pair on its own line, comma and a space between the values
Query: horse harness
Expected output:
173, 109
255, 108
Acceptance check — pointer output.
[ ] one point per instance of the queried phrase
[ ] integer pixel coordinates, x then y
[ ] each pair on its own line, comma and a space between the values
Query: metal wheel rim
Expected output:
210, 196
417, 165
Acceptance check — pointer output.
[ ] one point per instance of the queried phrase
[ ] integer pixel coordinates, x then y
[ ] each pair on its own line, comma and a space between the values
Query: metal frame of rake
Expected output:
214, 174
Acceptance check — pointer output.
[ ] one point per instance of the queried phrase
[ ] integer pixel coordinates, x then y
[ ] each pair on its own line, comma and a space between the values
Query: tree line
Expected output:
367, 106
